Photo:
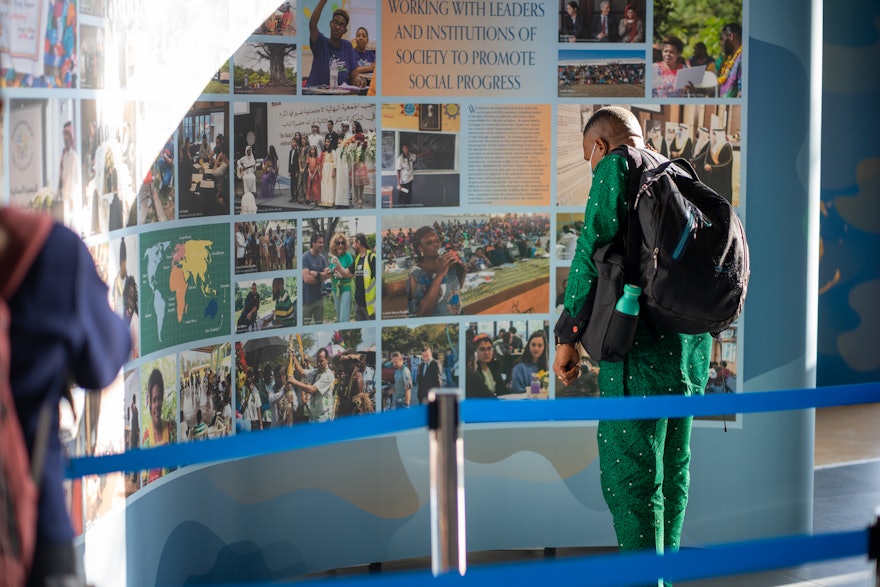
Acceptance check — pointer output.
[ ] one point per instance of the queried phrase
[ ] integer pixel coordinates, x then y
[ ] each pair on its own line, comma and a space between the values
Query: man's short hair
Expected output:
314, 238
329, 122
734, 28
396, 355
342, 13
361, 238
323, 350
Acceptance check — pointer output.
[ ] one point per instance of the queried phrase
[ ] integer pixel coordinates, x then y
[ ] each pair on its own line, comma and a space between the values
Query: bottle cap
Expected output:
632, 289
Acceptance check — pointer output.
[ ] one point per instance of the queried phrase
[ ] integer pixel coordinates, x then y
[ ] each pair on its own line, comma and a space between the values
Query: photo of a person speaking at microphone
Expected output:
434, 284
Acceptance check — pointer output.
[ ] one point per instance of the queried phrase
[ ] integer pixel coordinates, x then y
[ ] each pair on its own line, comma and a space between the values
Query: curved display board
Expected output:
259, 235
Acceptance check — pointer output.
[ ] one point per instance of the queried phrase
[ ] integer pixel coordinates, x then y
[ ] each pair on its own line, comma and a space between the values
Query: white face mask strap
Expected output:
590, 161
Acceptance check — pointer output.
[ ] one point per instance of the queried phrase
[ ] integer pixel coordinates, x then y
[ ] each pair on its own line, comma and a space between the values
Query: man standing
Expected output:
332, 136
318, 387
718, 165
70, 181
449, 362
402, 383
405, 175
248, 317
315, 138
701, 148
644, 463
730, 70
428, 377
364, 279
285, 308
315, 271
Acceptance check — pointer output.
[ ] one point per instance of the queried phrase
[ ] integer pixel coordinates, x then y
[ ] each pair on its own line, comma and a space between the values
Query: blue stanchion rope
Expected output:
613, 570
472, 412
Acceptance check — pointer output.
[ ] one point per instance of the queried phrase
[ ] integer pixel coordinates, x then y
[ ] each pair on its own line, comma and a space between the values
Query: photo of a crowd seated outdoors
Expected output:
507, 359
697, 50
602, 21
301, 378
568, 229
465, 264
600, 74
415, 361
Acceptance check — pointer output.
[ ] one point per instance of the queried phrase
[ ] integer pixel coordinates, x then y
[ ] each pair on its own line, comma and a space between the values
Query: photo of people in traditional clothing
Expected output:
206, 392
340, 57
158, 408
613, 73
263, 304
282, 21
203, 165
265, 245
417, 360
698, 51
338, 269
465, 264
507, 359
706, 135
420, 155
110, 179
302, 156
307, 377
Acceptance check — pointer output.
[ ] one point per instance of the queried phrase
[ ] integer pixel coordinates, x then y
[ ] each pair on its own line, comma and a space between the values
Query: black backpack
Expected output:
685, 246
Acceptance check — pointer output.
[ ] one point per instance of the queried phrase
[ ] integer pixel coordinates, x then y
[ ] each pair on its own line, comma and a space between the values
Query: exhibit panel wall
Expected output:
254, 196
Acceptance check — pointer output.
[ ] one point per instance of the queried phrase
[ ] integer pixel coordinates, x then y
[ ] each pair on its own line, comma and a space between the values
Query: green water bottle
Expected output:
629, 301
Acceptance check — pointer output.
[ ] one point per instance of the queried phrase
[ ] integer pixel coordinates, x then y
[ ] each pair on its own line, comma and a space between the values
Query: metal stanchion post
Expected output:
446, 462
874, 545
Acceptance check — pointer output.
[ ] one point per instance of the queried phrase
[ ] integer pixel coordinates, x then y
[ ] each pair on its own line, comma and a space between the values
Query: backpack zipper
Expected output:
679, 249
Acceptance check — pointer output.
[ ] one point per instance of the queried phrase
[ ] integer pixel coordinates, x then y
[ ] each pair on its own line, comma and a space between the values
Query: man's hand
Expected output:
566, 365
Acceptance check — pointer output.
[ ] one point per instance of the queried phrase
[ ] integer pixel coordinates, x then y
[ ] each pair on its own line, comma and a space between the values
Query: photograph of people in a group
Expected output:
300, 156
157, 197
206, 392
282, 21
416, 360
203, 162
340, 56
706, 135
264, 68
614, 73
420, 155
306, 377
338, 281
507, 359
568, 229
601, 21
465, 264
697, 51
264, 245
262, 304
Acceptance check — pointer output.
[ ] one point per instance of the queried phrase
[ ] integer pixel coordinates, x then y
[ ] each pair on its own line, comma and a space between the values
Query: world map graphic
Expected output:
186, 286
